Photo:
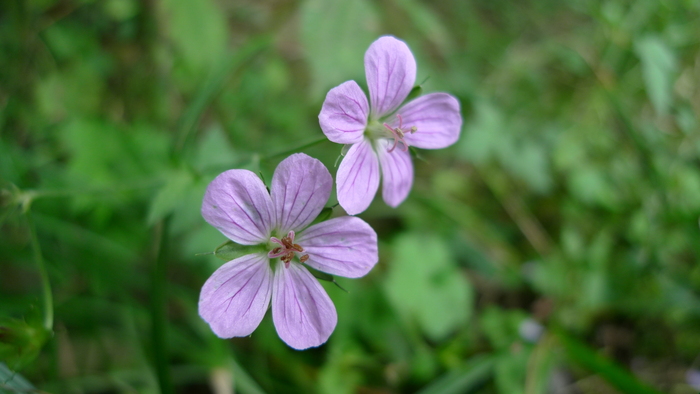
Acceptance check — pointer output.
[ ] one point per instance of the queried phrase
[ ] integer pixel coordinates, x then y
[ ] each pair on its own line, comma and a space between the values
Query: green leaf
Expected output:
501, 326
325, 277
177, 184
424, 284
463, 379
230, 250
20, 341
415, 92
198, 33
590, 185
336, 35
243, 381
588, 358
121, 10
428, 23
214, 151
543, 359
75, 90
485, 135
659, 68
213, 85
323, 216
510, 371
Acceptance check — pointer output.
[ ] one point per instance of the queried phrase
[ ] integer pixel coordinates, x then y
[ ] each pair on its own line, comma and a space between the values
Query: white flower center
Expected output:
375, 130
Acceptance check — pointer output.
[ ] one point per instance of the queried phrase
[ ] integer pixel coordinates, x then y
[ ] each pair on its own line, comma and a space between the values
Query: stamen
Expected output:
287, 250
398, 134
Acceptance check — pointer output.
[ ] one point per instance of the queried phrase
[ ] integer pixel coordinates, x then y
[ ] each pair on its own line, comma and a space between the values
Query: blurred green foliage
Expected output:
571, 200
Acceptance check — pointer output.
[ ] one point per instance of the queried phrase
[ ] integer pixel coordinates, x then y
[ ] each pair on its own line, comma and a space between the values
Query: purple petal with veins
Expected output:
343, 117
391, 73
300, 188
397, 173
237, 204
357, 179
344, 246
437, 120
235, 297
303, 314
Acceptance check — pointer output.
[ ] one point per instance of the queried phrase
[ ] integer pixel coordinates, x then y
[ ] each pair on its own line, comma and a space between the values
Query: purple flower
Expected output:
235, 298
380, 133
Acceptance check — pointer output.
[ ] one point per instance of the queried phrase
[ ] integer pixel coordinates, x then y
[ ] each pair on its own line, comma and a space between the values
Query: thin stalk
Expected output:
158, 308
527, 222
36, 194
45, 283
213, 86
294, 150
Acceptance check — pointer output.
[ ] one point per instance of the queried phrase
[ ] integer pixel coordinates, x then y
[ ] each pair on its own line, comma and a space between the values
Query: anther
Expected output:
398, 134
287, 250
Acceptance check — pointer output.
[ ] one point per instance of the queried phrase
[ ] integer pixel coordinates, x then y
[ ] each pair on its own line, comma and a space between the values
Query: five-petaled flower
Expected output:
235, 298
381, 133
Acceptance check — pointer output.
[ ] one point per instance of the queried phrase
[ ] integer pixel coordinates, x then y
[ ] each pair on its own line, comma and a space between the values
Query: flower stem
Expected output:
159, 305
294, 150
211, 88
45, 283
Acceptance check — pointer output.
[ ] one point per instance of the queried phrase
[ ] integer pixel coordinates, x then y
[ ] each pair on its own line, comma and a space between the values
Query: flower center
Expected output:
287, 249
395, 133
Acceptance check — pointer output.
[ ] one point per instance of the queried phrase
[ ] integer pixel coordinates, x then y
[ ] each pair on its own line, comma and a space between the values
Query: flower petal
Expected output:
343, 117
237, 204
391, 73
303, 313
344, 246
235, 297
397, 173
357, 179
301, 186
436, 117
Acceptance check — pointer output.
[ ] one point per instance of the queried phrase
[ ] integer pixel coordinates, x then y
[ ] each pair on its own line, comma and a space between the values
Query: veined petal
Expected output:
235, 297
391, 72
301, 186
357, 179
344, 113
237, 204
397, 173
344, 246
437, 120
303, 314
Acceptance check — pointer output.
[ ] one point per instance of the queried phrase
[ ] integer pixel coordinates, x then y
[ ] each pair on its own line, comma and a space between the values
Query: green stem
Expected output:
36, 194
590, 359
45, 283
158, 308
294, 150
211, 88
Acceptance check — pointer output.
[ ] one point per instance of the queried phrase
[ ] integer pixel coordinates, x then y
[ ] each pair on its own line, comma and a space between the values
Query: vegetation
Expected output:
554, 248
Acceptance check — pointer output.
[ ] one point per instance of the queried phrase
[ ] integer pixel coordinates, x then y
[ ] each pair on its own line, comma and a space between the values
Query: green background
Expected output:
570, 202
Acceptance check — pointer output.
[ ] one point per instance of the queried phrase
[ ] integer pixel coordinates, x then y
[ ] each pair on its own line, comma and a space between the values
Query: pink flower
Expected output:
235, 298
380, 133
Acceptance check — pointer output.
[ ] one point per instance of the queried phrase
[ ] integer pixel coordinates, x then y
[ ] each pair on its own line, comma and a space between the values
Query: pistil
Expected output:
287, 249
399, 133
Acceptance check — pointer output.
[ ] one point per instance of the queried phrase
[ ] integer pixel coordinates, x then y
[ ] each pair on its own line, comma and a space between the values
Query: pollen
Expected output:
287, 249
